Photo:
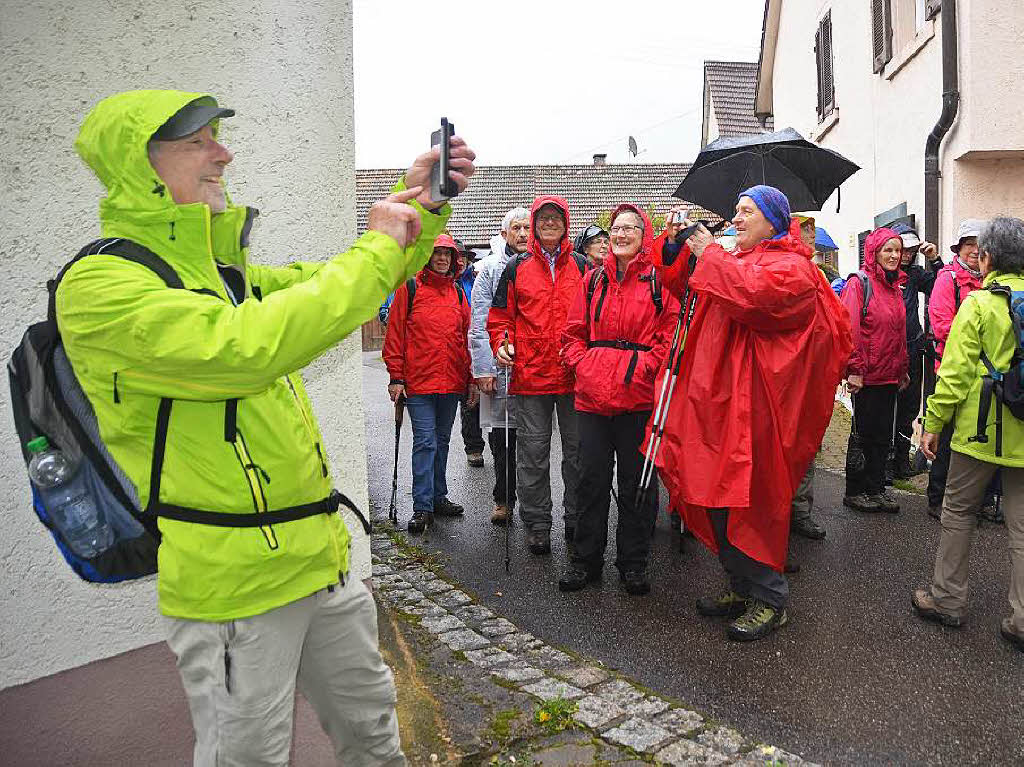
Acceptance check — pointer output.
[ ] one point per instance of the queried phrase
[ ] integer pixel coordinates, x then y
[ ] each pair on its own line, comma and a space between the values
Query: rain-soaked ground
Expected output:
854, 678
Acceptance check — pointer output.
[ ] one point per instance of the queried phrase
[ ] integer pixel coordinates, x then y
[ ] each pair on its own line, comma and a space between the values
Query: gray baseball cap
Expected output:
190, 118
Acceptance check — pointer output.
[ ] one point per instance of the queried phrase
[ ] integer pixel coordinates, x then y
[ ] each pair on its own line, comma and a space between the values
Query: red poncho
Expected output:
767, 347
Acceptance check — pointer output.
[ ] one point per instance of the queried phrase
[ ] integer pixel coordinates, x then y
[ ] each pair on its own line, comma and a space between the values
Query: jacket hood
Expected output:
643, 256
112, 141
533, 244
872, 245
790, 242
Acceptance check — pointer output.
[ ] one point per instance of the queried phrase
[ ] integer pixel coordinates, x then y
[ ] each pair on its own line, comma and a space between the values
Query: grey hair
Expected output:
513, 215
1003, 239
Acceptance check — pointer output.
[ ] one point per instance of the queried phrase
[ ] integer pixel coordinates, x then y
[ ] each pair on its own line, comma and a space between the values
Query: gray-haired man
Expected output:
494, 399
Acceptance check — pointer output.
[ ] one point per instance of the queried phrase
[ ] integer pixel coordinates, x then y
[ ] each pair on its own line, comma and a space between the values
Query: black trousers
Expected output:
908, 405
873, 411
940, 469
605, 440
504, 466
472, 436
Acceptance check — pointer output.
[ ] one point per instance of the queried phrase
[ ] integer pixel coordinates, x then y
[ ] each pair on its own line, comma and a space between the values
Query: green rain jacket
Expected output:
133, 342
982, 322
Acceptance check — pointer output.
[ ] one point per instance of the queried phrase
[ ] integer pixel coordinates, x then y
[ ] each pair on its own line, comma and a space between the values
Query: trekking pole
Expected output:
668, 388
508, 489
399, 410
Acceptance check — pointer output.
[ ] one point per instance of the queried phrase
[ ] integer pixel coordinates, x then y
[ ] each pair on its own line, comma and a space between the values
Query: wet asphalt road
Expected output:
855, 678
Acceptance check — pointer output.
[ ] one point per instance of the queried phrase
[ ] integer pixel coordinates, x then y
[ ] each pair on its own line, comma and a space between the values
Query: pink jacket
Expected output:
943, 304
880, 336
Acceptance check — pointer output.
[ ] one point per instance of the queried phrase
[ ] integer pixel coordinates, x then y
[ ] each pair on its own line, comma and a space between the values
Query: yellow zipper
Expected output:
251, 475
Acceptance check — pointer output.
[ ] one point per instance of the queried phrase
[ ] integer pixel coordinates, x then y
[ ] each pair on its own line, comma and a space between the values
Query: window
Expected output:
881, 34
823, 58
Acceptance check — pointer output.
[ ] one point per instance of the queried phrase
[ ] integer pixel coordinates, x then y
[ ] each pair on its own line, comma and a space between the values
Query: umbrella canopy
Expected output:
805, 172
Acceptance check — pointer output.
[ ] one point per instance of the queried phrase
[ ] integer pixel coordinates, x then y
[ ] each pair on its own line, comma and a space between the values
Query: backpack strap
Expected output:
410, 291
956, 293
114, 246
581, 262
459, 291
866, 290
656, 291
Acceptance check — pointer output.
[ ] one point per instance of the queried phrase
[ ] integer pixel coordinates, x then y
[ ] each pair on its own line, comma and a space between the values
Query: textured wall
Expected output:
287, 70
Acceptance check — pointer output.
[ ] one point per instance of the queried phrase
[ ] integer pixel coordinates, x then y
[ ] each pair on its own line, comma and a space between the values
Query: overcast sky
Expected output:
541, 81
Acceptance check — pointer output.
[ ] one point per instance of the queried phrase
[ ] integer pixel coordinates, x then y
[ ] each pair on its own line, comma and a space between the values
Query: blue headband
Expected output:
773, 204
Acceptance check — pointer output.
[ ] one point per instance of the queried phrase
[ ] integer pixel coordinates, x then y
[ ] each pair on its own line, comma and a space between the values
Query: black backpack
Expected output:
48, 401
1007, 387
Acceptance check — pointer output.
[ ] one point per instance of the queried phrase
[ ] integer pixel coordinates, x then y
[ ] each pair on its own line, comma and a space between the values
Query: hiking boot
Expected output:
807, 527
445, 508
539, 541
576, 577
420, 521
757, 622
924, 604
862, 502
726, 605
935, 512
887, 502
992, 513
501, 515
636, 582
476, 460
1010, 634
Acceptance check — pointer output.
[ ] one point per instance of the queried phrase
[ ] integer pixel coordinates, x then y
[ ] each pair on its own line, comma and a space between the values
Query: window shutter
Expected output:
817, 61
881, 37
828, 87
932, 8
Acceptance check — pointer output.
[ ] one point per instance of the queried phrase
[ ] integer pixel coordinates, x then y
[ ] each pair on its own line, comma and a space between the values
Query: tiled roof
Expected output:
733, 86
590, 190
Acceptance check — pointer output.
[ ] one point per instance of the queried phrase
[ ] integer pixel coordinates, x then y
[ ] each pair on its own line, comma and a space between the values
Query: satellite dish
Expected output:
632, 146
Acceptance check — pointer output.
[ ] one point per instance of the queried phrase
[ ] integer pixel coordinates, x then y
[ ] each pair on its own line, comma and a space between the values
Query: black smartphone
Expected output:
441, 185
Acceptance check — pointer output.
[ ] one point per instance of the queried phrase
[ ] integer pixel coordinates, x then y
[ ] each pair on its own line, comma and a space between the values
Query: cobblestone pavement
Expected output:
621, 713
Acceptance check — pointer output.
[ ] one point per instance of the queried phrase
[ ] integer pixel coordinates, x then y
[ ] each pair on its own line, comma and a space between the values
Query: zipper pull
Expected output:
117, 397
262, 471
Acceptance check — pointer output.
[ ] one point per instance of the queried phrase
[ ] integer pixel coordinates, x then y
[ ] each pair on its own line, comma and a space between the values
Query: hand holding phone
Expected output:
441, 185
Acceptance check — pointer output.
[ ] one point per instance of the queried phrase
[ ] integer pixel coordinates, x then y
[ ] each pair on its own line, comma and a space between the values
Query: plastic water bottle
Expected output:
67, 500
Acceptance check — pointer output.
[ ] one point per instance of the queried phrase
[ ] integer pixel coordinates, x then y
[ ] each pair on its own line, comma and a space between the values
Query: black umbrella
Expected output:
805, 172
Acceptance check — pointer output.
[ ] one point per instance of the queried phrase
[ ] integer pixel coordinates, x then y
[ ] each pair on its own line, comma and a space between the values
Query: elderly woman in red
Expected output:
616, 336
877, 367
427, 357
765, 350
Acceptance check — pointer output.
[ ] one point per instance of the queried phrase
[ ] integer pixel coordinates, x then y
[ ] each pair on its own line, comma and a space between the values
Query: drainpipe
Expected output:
950, 106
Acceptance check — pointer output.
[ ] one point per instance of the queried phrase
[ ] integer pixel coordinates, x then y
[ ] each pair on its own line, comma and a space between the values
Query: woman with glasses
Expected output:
592, 244
616, 338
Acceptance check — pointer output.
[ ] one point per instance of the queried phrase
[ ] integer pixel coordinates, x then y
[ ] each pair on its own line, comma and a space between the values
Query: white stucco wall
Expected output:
885, 119
287, 70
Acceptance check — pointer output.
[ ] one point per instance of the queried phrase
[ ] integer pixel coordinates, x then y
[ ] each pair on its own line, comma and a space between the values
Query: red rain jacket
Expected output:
533, 307
612, 380
954, 279
427, 350
880, 336
765, 351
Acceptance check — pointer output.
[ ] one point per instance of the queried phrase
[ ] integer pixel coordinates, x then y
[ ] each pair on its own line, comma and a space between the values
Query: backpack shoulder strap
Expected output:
956, 293
410, 289
459, 291
115, 246
595, 275
656, 291
865, 283
581, 262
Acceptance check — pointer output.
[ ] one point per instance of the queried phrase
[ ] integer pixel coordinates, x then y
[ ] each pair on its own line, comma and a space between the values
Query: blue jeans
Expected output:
432, 417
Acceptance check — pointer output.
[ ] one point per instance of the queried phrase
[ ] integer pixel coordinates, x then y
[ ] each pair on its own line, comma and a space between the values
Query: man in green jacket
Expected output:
981, 331
198, 397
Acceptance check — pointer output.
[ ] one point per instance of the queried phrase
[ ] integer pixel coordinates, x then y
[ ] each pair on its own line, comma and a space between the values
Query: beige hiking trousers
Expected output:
240, 678
965, 486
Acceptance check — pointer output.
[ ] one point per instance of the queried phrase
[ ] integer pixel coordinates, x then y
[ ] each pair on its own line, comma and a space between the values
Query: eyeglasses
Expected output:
552, 218
625, 229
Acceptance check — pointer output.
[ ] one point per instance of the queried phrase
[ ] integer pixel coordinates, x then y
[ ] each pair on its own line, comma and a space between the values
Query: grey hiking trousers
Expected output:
534, 418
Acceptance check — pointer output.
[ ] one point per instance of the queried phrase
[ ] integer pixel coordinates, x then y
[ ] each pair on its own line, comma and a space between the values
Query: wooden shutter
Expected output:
932, 8
881, 34
823, 60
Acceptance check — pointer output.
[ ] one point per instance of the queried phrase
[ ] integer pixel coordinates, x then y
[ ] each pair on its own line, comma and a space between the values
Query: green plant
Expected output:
555, 715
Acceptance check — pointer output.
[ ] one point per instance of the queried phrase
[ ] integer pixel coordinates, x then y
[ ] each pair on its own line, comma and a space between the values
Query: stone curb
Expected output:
617, 710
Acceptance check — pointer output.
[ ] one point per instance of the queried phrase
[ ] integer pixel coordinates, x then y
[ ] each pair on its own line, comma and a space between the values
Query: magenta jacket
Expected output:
880, 336
942, 305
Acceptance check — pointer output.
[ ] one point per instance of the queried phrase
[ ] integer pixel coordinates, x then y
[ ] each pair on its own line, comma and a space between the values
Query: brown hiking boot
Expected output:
501, 515
924, 605
1010, 634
